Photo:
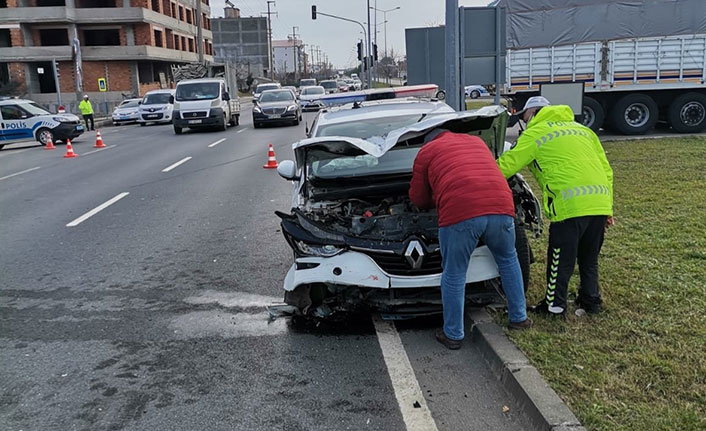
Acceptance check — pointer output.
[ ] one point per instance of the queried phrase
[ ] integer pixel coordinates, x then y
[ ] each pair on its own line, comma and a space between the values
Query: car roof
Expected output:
190, 81
381, 108
13, 101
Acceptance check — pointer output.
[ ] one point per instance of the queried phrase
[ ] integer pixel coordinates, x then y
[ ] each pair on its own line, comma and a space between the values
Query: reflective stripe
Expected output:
553, 272
590, 189
557, 133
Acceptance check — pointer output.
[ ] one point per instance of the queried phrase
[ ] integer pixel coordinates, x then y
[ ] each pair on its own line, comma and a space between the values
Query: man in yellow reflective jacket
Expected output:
569, 163
87, 111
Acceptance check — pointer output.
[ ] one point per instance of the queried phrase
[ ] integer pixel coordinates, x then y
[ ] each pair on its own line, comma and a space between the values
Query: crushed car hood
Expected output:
491, 130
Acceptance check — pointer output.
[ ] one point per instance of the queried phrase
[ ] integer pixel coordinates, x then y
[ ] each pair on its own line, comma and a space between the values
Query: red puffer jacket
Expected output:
457, 174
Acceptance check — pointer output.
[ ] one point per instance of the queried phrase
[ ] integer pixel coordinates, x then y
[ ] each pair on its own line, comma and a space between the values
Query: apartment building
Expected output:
243, 40
132, 44
289, 55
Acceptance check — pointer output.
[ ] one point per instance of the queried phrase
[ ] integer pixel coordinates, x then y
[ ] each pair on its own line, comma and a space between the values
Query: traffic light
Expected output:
360, 51
313, 11
375, 52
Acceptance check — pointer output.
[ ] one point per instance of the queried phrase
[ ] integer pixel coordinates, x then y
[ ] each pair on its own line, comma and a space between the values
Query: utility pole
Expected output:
199, 31
375, 64
453, 88
269, 37
370, 50
311, 59
294, 49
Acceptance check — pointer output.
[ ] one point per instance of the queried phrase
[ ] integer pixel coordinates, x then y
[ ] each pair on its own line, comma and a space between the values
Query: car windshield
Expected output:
156, 99
265, 87
305, 82
326, 165
312, 91
277, 96
368, 128
33, 108
198, 91
328, 84
129, 104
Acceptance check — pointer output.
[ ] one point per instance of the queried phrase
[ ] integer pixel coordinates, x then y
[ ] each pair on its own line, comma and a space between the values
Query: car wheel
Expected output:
475, 94
237, 119
687, 113
296, 121
177, 130
43, 136
256, 125
143, 124
635, 114
593, 114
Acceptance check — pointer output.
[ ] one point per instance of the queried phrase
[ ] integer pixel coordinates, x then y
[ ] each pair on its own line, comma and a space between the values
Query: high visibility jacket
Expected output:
567, 160
85, 107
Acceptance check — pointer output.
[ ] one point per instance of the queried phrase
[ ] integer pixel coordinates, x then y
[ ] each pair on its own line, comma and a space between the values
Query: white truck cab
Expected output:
205, 103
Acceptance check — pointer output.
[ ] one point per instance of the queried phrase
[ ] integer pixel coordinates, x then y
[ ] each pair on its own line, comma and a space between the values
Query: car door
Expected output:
2, 129
17, 124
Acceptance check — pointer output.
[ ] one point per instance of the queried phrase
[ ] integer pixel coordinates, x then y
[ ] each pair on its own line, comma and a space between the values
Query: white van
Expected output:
155, 107
22, 120
205, 103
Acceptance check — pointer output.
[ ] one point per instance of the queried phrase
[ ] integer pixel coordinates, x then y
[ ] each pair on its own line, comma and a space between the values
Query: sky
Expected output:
338, 38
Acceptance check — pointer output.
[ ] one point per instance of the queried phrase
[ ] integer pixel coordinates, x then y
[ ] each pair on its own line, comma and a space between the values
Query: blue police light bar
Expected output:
425, 90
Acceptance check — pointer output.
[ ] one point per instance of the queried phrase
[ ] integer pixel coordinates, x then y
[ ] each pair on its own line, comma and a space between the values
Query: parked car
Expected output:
476, 91
358, 242
276, 106
156, 108
127, 112
264, 87
23, 120
310, 98
330, 85
205, 103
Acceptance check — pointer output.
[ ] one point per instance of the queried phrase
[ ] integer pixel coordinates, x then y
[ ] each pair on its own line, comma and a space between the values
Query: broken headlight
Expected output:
318, 250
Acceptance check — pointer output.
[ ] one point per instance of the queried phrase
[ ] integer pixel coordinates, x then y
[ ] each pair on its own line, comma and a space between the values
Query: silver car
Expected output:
127, 112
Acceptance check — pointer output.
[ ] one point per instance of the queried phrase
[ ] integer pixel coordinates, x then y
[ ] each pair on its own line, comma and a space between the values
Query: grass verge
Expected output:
641, 364
479, 103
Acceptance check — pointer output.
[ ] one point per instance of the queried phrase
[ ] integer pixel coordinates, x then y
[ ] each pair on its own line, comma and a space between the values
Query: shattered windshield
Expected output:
368, 128
323, 164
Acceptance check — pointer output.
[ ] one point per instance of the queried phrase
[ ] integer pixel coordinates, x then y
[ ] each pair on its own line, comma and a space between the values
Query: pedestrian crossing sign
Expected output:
102, 86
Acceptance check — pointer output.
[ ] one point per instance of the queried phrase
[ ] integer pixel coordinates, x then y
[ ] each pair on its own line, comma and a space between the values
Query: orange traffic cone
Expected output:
50, 144
99, 140
69, 150
271, 161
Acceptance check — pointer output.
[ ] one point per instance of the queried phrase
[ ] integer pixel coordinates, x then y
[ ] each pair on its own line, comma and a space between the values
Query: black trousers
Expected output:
571, 240
88, 118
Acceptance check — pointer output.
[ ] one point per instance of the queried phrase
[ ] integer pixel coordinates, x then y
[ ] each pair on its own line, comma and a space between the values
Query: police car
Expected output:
22, 120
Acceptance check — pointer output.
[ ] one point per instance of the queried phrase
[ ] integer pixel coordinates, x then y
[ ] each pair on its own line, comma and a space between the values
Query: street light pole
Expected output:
384, 18
370, 49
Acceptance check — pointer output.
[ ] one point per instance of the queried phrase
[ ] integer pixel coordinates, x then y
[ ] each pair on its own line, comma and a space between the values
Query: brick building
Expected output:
130, 43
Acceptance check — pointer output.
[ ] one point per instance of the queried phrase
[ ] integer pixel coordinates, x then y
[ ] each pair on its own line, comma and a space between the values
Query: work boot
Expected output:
446, 341
519, 326
543, 308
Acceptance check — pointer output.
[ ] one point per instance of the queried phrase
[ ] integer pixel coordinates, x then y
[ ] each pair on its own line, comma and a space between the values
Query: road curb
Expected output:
531, 394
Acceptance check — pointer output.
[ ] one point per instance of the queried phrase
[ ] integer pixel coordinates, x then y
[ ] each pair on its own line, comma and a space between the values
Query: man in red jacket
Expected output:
457, 174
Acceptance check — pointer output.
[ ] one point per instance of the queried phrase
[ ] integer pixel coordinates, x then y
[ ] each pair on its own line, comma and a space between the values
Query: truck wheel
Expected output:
237, 119
593, 114
177, 130
43, 135
224, 125
634, 114
687, 113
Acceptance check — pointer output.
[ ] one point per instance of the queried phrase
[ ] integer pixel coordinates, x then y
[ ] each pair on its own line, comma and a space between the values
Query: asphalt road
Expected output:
149, 314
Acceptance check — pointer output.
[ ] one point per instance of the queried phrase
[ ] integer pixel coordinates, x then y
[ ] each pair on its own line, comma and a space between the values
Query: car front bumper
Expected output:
156, 117
312, 106
67, 131
215, 118
356, 269
266, 118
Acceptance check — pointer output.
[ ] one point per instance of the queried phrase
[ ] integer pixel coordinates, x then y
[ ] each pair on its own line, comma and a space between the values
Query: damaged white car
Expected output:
358, 242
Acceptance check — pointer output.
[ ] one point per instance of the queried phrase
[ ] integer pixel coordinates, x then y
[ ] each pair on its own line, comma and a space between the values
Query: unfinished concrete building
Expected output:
130, 43
243, 39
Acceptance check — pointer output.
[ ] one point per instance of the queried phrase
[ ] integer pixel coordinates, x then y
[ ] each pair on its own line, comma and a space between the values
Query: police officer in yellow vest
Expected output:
87, 111
569, 163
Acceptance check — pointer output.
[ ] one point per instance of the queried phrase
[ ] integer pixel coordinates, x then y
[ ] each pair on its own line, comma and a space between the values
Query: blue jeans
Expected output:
457, 244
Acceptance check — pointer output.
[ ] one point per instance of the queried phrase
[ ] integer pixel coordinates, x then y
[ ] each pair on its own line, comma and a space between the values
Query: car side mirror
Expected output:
226, 96
287, 170
171, 100
513, 120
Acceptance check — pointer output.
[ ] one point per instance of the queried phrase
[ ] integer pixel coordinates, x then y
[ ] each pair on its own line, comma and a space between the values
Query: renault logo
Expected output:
414, 254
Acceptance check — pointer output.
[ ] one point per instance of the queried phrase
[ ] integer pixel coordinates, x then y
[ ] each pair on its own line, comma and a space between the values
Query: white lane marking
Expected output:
20, 173
404, 382
216, 143
169, 168
97, 150
233, 299
97, 209
241, 130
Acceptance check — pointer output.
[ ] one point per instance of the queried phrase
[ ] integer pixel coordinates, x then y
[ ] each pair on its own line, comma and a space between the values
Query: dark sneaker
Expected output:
446, 341
544, 309
519, 326
588, 308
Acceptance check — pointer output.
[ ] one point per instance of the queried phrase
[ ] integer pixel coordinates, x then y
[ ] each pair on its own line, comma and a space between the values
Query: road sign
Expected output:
102, 85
